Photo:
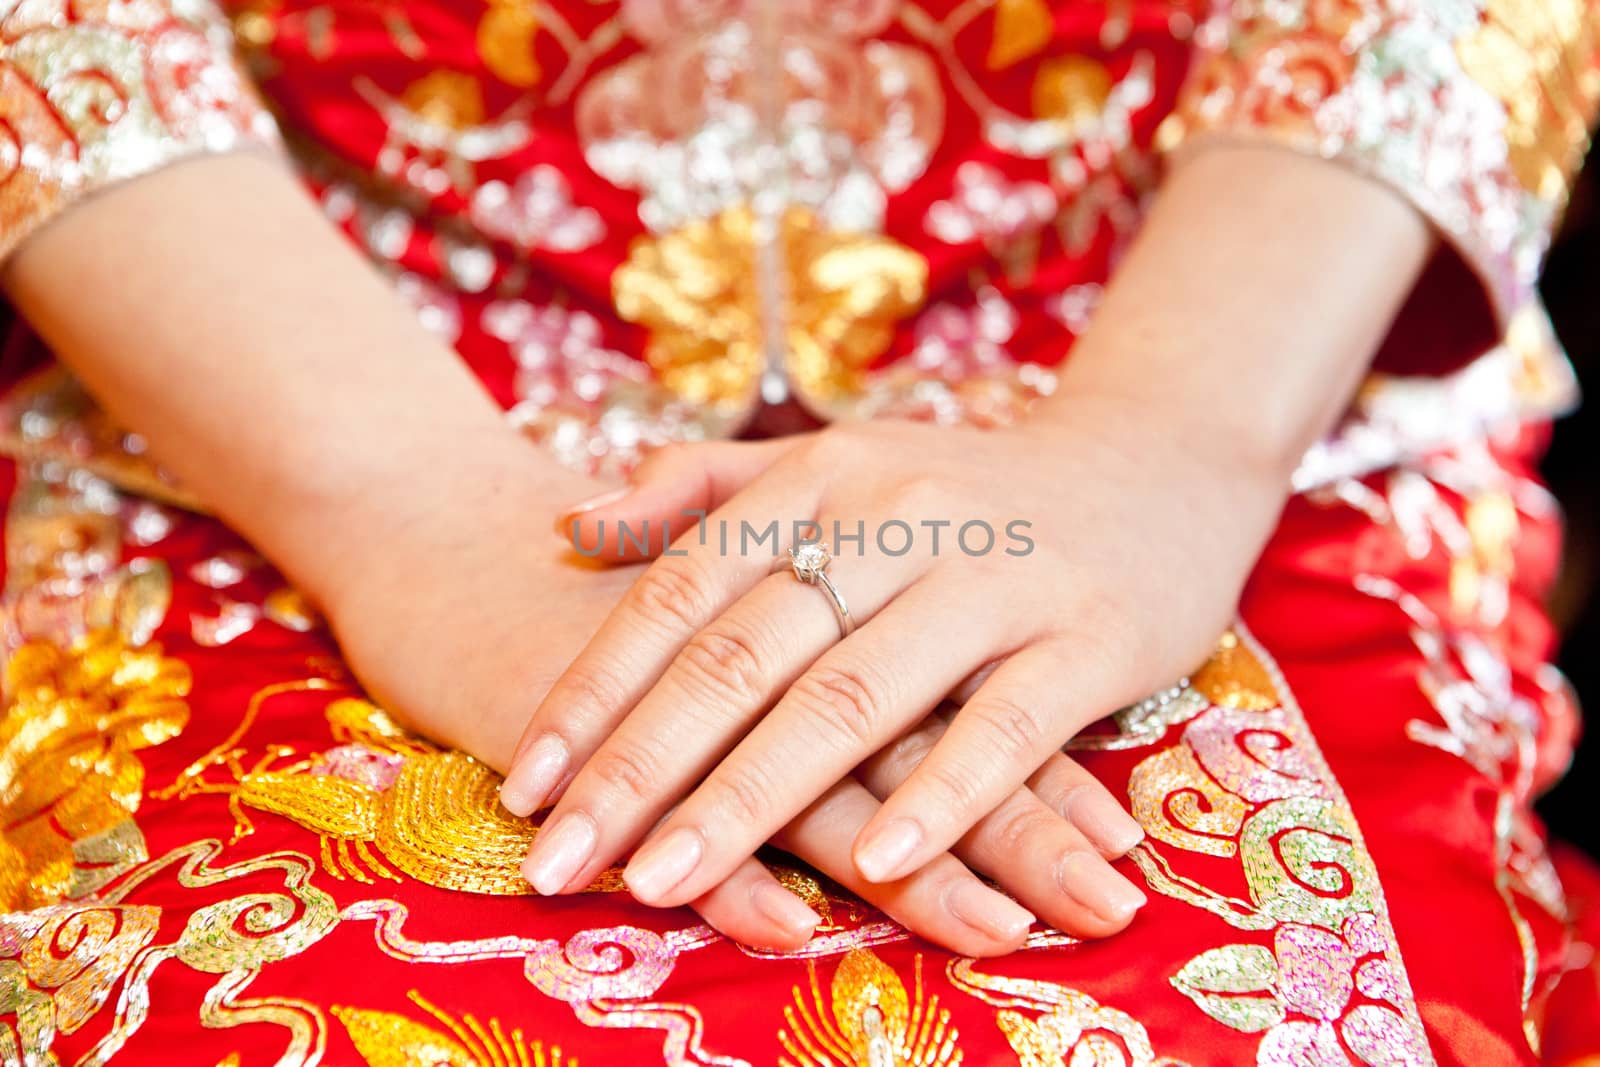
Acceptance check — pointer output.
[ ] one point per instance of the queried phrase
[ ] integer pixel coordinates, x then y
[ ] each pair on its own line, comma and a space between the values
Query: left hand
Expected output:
1141, 538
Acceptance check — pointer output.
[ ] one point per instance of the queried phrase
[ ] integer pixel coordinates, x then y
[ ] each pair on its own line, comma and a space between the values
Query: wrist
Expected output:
377, 514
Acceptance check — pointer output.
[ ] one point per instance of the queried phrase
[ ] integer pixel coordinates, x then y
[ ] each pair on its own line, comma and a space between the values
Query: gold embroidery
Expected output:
69, 779
506, 39
1021, 29
1538, 61
696, 290
433, 815
1234, 678
1072, 90
386, 1039
1178, 803
442, 823
872, 1021
445, 98
63, 962
227, 752
289, 608
77, 953
1072, 1027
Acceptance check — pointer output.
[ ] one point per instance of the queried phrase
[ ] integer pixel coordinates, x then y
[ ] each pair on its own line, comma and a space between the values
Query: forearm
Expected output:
211, 307
1250, 306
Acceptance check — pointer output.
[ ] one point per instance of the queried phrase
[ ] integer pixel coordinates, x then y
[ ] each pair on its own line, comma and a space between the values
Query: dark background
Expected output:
1572, 291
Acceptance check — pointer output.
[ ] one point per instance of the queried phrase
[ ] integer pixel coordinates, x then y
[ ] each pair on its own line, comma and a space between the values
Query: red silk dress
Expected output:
644, 221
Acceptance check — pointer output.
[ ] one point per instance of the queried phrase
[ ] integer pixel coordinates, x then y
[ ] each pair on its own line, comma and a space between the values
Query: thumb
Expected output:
668, 493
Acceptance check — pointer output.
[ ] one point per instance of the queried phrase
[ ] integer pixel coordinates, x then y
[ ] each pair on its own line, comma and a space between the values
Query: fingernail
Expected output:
661, 865
992, 914
887, 849
1092, 882
559, 852
610, 496
784, 909
1103, 821
534, 776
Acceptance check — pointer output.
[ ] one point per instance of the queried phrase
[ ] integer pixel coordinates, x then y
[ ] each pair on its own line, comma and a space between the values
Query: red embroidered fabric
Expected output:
211, 843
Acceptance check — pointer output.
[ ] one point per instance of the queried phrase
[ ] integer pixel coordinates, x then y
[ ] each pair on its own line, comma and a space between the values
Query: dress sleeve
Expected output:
1477, 111
94, 93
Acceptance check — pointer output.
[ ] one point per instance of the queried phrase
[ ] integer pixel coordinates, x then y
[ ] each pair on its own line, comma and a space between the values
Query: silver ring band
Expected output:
809, 564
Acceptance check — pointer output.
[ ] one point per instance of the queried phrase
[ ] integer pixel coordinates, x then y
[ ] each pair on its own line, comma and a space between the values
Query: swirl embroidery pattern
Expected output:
1247, 782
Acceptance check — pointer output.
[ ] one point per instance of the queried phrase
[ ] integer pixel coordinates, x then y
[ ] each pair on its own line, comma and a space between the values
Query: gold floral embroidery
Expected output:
387, 1039
697, 291
69, 777
872, 1021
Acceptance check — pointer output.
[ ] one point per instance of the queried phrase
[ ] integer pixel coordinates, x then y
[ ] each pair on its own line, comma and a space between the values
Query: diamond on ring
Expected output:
809, 561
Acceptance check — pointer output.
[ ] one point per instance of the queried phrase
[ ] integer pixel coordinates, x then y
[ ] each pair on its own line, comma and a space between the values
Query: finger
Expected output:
674, 598
1063, 879
943, 901
1067, 789
857, 697
710, 696
752, 907
667, 493
1016, 720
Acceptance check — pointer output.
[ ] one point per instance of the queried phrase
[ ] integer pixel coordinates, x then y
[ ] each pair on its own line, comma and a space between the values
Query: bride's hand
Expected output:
725, 691
463, 621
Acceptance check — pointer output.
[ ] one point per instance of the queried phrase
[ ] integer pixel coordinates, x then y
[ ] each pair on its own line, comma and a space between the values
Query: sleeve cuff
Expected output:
1476, 122
88, 101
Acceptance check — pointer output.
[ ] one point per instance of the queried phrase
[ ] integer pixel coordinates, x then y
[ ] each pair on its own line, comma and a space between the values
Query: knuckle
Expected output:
831, 444
847, 700
742, 797
587, 691
628, 771
1055, 787
673, 591
662, 459
920, 496
1012, 829
896, 762
1012, 728
955, 788
724, 662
